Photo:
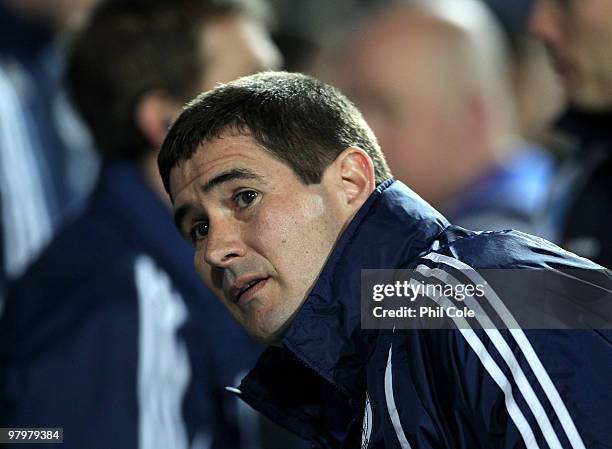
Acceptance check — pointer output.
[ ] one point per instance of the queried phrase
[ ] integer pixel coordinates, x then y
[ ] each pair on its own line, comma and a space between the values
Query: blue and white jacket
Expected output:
344, 387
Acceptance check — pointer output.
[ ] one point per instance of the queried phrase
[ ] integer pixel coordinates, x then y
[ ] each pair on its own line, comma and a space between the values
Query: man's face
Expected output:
578, 37
261, 235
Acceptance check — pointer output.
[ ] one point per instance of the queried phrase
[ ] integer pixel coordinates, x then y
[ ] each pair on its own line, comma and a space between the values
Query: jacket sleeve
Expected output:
469, 387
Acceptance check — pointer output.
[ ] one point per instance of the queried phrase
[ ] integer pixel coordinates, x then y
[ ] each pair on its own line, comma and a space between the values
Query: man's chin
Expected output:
268, 340
268, 337
267, 321
270, 334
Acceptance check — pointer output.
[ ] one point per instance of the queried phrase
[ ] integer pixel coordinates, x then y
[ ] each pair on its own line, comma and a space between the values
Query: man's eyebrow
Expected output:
230, 175
226, 176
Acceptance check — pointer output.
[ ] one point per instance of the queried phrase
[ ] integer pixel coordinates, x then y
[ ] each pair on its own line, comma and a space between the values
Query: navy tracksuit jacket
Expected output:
341, 386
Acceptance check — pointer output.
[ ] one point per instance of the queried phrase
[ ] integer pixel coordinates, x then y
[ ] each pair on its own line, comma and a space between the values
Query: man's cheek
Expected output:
213, 278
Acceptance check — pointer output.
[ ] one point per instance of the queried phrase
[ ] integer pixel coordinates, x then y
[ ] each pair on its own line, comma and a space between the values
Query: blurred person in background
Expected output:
305, 31
578, 37
539, 98
47, 163
110, 333
436, 83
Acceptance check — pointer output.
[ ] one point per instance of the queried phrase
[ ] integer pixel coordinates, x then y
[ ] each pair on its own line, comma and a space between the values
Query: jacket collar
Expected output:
392, 228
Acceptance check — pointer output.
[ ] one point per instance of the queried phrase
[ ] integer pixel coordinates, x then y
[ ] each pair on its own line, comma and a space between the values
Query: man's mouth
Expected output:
243, 290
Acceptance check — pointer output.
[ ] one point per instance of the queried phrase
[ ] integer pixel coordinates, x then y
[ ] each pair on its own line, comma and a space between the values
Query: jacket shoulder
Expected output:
507, 249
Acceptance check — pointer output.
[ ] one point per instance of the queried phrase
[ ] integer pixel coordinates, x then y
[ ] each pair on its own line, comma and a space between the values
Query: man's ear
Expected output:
154, 113
356, 171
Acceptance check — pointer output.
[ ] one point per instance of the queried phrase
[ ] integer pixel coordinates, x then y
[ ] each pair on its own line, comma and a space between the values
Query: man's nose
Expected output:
224, 244
545, 21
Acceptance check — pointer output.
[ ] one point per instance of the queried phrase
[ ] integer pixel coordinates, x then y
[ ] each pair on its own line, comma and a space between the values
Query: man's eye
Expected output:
245, 198
198, 231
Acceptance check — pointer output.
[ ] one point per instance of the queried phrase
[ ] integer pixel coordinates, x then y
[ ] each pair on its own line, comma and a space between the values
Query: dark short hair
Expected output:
302, 121
128, 48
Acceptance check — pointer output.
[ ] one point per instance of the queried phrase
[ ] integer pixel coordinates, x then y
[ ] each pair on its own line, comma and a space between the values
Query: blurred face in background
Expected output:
540, 98
229, 46
396, 70
578, 37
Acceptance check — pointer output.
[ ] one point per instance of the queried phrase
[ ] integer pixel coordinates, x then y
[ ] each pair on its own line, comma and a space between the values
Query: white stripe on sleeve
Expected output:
521, 339
391, 408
